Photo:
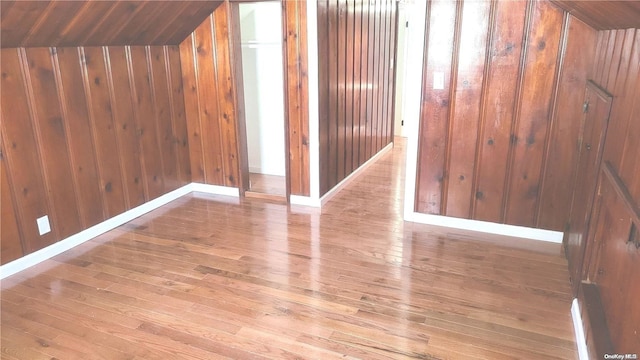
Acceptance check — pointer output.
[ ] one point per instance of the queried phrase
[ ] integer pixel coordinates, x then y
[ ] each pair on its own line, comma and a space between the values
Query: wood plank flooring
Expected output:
209, 277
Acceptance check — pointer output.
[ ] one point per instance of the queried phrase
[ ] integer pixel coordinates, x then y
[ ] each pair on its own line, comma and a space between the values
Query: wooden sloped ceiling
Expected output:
604, 15
99, 23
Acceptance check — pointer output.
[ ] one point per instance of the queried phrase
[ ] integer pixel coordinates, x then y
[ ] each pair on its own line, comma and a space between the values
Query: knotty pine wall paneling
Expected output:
211, 101
356, 88
498, 143
558, 178
84, 135
294, 15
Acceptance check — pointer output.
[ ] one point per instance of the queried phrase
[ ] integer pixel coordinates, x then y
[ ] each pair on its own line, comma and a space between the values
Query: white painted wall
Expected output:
261, 35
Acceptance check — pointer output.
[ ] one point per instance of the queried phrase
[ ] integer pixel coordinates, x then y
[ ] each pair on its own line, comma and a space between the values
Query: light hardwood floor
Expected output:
209, 277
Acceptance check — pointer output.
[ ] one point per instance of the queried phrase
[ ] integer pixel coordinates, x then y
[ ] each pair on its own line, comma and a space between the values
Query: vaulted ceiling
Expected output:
604, 15
98, 23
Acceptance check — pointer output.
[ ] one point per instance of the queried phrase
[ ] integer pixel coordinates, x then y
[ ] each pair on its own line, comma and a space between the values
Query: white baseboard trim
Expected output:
107, 225
309, 201
346, 181
215, 189
304, 201
486, 227
578, 327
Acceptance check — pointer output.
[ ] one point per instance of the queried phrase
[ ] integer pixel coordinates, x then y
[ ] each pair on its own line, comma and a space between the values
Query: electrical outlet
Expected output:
43, 225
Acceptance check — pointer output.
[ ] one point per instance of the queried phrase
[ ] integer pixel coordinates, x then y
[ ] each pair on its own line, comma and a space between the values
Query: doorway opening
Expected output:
263, 78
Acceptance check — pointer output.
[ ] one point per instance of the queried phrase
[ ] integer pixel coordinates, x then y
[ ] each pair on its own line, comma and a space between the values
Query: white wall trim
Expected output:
346, 181
63, 245
304, 201
578, 327
486, 227
215, 189
312, 78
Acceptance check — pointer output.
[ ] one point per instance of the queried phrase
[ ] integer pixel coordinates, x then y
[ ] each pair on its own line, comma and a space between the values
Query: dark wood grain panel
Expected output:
80, 139
126, 127
342, 89
161, 91
349, 85
374, 59
10, 238
360, 38
208, 95
51, 136
104, 132
604, 14
623, 87
296, 95
474, 34
178, 114
146, 120
325, 96
393, 46
558, 179
98, 23
531, 128
435, 106
30, 193
500, 98
189, 71
226, 97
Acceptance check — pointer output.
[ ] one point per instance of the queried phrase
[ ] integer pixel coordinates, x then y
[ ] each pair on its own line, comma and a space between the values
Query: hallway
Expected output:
216, 277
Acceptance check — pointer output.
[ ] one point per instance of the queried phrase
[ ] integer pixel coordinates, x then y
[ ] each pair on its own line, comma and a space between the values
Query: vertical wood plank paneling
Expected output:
80, 139
11, 243
371, 65
126, 127
364, 81
324, 112
606, 65
492, 143
535, 112
21, 153
466, 115
359, 82
178, 114
207, 93
72, 142
145, 118
393, 46
303, 110
500, 98
579, 59
160, 90
239, 99
191, 92
52, 140
104, 133
349, 85
622, 88
342, 88
435, 106
227, 114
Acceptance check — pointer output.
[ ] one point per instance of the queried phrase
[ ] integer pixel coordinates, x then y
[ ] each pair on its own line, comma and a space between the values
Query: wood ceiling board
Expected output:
52, 22
17, 19
604, 15
100, 23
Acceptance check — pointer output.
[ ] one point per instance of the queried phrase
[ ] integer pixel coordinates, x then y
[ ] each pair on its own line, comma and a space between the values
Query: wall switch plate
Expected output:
438, 80
43, 225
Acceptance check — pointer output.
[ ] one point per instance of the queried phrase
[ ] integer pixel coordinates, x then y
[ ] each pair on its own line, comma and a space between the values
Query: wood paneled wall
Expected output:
294, 26
617, 70
496, 143
211, 102
357, 46
87, 133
